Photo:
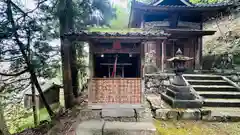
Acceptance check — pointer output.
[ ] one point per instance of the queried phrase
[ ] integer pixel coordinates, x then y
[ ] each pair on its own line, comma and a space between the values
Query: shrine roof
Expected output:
116, 34
177, 2
189, 31
143, 6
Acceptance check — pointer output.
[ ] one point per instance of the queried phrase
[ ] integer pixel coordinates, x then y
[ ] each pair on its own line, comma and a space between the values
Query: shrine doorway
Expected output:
127, 65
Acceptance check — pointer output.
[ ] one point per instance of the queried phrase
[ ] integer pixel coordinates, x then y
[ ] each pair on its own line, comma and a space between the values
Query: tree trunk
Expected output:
3, 126
65, 13
34, 107
75, 81
26, 58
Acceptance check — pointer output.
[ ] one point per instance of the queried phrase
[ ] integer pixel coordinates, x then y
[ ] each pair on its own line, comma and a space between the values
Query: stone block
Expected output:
187, 104
184, 96
162, 114
88, 114
92, 127
118, 112
120, 119
129, 128
191, 114
205, 114
180, 88
172, 115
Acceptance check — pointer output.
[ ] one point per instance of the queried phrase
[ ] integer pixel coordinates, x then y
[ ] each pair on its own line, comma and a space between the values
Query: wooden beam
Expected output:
119, 64
198, 54
91, 93
142, 21
163, 54
133, 38
174, 17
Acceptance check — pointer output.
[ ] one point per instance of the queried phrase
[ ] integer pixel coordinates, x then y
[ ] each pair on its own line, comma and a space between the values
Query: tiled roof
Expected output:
137, 33
213, 5
186, 2
44, 85
140, 4
192, 31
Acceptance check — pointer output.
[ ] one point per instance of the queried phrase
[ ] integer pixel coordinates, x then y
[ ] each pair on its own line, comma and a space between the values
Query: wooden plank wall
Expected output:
189, 48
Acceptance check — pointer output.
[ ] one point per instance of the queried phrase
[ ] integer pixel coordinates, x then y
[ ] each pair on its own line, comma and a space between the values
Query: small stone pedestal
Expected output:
179, 94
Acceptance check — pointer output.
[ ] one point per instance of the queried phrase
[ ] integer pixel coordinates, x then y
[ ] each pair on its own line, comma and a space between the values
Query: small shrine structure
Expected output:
180, 18
117, 59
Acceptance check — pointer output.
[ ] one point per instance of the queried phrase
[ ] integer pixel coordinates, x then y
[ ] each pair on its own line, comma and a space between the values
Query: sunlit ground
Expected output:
196, 128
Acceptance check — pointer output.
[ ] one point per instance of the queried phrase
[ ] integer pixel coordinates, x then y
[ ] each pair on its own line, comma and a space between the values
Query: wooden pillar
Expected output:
91, 93
67, 74
158, 53
198, 54
163, 54
142, 21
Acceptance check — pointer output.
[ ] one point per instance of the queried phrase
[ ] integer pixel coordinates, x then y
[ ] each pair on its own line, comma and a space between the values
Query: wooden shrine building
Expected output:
117, 58
116, 64
180, 18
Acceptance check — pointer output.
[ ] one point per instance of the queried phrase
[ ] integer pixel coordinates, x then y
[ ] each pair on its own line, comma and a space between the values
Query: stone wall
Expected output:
156, 82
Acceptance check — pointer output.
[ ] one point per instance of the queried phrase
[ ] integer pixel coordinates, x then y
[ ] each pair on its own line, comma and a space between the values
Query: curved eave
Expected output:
86, 36
187, 3
144, 7
176, 33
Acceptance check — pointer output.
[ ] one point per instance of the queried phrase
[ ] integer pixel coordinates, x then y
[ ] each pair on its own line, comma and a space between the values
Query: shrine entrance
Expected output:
127, 65
116, 77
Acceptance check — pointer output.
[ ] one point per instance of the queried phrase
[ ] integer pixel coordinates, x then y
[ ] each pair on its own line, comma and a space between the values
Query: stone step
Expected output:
120, 114
217, 94
212, 86
223, 114
208, 82
202, 77
129, 128
225, 88
174, 103
180, 95
115, 128
222, 102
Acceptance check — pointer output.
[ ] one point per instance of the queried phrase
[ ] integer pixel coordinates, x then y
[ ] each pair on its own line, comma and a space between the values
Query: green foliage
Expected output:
14, 115
19, 118
122, 18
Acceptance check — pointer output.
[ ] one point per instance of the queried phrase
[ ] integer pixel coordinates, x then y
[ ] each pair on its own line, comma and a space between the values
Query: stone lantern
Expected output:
179, 94
179, 67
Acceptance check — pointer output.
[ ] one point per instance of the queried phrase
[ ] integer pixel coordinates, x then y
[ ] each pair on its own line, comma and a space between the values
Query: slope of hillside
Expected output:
227, 37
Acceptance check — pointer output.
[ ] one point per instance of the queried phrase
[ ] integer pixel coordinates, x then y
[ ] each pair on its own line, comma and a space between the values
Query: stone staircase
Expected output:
217, 91
117, 119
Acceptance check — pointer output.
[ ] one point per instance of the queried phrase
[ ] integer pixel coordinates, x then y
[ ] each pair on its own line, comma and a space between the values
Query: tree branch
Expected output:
15, 74
30, 66
39, 3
